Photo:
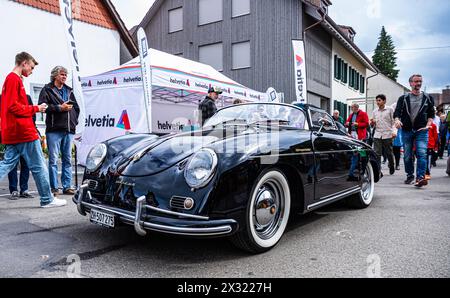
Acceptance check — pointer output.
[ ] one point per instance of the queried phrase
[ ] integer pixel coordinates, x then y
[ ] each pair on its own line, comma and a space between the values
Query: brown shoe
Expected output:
55, 192
421, 182
69, 191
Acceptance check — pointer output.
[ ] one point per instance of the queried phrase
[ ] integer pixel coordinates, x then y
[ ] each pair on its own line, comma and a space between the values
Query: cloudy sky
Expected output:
420, 30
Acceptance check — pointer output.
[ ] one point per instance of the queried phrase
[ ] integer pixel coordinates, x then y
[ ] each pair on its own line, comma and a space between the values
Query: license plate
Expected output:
102, 218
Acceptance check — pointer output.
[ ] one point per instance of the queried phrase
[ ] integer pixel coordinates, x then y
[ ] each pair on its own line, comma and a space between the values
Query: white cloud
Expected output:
132, 11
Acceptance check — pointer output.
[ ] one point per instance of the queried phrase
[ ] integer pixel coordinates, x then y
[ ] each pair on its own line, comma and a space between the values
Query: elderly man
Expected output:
338, 118
357, 124
207, 107
61, 121
19, 133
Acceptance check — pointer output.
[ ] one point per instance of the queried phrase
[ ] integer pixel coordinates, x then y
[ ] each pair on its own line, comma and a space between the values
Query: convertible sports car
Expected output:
242, 175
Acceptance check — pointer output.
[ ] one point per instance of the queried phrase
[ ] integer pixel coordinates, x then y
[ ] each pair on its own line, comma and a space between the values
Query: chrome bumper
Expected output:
209, 227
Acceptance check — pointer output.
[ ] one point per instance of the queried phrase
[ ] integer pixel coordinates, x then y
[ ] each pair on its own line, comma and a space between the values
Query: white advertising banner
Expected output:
146, 72
300, 70
111, 113
66, 14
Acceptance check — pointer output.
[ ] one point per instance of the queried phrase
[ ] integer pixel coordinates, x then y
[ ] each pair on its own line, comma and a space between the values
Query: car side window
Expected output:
319, 117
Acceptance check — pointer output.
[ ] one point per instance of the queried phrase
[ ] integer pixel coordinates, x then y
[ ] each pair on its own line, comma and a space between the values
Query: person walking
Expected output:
432, 148
397, 148
61, 122
19, 133
357, 124
383, 121
207, 108
414, 113
443, 131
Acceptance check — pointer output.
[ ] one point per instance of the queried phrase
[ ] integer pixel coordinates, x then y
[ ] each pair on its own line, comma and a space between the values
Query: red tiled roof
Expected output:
88, 11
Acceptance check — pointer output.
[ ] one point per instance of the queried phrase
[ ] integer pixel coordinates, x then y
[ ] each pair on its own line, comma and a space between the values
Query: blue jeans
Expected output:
420, 140
24, 176
60, 143
354, 164
32, 153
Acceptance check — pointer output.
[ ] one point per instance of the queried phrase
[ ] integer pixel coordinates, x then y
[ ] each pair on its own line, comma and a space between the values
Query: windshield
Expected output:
259, 113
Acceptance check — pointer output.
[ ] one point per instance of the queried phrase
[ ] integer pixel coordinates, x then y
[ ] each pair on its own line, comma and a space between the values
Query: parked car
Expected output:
241, 176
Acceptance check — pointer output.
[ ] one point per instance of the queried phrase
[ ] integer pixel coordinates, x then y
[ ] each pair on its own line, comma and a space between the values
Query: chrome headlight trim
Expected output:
99, 157
204, 181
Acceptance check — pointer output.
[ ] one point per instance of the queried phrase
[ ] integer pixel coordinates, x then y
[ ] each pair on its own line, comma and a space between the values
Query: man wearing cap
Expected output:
207, 108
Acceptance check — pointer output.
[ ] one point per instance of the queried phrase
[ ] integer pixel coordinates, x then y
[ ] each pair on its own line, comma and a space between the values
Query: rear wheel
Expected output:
365, 196
267, 213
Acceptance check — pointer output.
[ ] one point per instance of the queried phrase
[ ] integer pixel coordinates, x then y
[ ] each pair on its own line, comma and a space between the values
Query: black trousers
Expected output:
397, 152
386, 144
442, 144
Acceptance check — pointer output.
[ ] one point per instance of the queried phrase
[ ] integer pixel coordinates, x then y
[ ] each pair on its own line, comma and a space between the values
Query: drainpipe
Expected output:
367, 86
324, 14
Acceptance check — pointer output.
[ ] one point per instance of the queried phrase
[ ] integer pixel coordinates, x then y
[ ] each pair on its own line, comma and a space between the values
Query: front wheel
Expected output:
267, 213
363, 199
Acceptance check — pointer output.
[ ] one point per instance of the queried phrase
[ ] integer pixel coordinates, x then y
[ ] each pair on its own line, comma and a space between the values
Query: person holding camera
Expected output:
61, 122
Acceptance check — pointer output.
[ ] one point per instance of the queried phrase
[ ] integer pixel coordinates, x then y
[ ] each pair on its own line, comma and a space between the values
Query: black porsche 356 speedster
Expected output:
241, 176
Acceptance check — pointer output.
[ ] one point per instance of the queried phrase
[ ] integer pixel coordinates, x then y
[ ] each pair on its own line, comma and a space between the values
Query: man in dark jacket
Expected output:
443, 130
414, 114
61, 122
207, 107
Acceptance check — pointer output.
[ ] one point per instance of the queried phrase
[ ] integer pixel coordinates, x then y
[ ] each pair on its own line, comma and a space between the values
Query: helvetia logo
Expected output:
124, 122
180, 82
88, 84
299, 60
107, 82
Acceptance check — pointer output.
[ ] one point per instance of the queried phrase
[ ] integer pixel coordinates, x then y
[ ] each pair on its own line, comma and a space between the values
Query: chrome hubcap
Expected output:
366, 186
268, 207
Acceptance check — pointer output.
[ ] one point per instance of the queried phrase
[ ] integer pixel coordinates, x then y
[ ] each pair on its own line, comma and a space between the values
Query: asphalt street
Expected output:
404, 233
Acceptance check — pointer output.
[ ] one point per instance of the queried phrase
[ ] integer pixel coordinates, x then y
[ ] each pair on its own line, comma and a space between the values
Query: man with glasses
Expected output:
414, 114
383, 121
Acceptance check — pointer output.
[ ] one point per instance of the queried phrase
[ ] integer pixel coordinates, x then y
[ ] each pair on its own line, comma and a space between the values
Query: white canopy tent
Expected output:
114, 100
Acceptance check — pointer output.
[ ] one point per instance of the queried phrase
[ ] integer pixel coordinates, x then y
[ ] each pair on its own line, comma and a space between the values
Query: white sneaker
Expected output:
55, 203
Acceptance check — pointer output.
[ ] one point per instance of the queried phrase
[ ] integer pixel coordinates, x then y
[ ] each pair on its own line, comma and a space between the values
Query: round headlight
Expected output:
200, 168
96, 157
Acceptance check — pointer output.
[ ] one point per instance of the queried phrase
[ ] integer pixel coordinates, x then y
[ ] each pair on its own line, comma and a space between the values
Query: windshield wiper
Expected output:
231, 122
270, 122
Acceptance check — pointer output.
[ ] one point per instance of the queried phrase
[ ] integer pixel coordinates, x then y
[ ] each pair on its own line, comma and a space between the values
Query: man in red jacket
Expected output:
19, 133
357, 124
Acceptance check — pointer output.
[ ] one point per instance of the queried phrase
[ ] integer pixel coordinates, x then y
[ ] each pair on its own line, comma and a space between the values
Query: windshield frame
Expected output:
307, 125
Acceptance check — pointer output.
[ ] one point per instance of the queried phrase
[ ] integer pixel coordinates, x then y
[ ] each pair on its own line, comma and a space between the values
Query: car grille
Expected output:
179, 203
93, 185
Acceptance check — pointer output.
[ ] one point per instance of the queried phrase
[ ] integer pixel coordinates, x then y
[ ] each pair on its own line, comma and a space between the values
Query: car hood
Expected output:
144, 159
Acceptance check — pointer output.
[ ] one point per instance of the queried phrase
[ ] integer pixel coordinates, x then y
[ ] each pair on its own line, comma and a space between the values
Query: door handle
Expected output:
319, 134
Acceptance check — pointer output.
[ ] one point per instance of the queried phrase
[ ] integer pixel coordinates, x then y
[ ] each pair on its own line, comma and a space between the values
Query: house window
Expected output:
35, 91
241, 55
212, 54
345, 80
363, 84
336, 67
352, 77
175, 20
210, 11
240, 7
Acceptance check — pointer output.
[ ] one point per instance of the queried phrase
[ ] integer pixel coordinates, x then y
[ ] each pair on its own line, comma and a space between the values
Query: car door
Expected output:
333, 154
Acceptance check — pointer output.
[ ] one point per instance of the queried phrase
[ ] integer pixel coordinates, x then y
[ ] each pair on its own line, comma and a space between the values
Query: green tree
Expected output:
385, 56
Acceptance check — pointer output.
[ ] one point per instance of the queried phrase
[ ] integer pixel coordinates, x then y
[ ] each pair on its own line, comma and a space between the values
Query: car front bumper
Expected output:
157, 219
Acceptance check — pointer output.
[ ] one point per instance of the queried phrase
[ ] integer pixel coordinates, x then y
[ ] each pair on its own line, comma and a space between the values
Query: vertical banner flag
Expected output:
146, 75
300, 70
66, 14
